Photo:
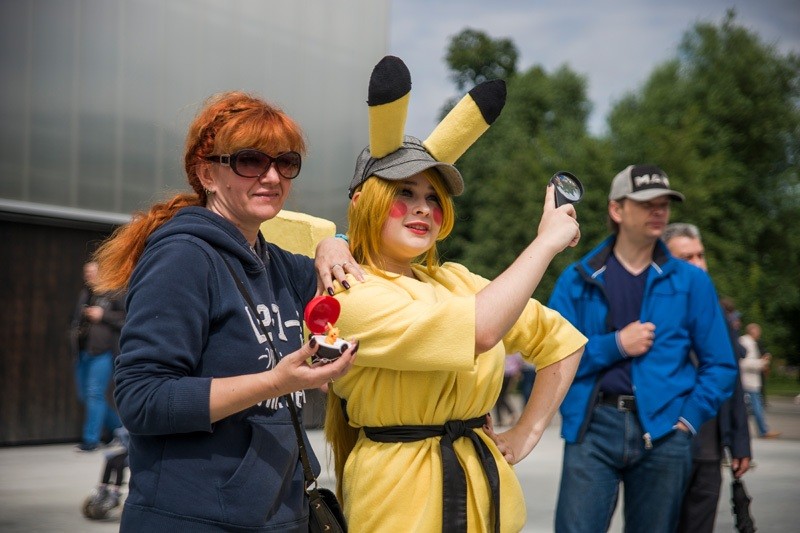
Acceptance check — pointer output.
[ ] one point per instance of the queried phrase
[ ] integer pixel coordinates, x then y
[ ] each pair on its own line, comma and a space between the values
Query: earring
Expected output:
209, 192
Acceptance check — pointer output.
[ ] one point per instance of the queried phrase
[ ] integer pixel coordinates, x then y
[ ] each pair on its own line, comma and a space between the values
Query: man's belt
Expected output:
454, 480
622, 402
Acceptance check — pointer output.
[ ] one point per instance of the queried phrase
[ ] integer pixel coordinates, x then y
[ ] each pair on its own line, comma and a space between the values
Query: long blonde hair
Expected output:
366, 218
227, 122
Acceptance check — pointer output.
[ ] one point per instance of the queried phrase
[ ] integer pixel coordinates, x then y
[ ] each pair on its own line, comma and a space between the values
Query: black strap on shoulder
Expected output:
454, 480
311, 481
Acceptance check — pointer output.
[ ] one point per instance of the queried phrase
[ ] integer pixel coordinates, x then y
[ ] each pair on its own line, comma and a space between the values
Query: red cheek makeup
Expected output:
398, 209
437, 215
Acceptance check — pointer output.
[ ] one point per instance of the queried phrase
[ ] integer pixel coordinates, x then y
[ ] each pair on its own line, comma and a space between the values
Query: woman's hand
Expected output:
551, 385
293, 373
558, 226
333, 260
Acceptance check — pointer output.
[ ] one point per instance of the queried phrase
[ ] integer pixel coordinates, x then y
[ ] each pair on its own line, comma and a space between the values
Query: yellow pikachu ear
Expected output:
388, 96
467, 121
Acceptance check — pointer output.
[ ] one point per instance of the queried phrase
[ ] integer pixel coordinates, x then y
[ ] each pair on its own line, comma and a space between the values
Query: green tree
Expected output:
722, 119
474, 57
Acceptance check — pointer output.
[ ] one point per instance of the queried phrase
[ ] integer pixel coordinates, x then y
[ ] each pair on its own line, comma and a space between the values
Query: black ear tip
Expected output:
391, 62
490, 97
390, 81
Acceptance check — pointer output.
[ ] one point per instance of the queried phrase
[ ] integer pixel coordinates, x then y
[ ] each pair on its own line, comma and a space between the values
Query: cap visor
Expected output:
649, 194
407, 169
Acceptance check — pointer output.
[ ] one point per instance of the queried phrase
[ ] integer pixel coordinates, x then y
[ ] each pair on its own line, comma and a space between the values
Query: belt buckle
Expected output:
625, 403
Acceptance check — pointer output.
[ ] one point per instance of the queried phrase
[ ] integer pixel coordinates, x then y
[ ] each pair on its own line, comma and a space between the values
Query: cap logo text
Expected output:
650, 180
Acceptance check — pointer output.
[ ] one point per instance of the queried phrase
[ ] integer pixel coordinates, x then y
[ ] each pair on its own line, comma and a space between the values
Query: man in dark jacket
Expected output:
728, 429
96, 325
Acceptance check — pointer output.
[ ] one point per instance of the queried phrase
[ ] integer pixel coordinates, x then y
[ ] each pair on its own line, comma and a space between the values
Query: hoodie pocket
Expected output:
267, 487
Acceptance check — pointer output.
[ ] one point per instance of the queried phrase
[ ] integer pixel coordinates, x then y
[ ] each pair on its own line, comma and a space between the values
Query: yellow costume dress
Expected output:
416, 365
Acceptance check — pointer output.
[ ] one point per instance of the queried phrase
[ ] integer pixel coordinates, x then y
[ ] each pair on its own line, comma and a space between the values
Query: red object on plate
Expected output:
320, 311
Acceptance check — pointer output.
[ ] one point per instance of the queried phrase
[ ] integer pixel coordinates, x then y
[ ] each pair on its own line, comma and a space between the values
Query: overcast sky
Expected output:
615, 44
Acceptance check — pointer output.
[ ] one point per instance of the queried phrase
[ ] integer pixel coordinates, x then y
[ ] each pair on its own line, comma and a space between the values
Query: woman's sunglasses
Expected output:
251, 163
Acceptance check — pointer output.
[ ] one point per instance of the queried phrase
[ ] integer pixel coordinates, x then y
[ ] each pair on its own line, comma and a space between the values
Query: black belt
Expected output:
622, 402
454, 481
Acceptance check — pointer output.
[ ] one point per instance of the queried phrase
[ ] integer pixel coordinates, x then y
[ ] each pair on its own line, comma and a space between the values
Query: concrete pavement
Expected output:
42, 487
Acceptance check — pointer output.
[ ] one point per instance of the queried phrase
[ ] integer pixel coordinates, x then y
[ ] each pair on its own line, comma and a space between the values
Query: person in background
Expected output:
526, 380
203, 392
107, 495
96, 325
506, 414
413, 450
752, 366
729, 429
638, 397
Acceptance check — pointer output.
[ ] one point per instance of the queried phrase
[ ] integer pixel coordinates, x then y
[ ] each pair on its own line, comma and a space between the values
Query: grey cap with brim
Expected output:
642, 183
408, 160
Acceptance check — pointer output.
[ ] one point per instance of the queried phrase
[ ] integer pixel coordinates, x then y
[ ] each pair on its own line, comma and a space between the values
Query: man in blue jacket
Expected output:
637, 399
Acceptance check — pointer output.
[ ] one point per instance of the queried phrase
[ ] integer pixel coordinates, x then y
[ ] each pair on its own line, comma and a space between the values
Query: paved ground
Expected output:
42, 487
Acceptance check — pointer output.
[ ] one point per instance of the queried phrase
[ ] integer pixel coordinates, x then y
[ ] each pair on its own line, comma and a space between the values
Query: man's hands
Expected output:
637, 337
93, 313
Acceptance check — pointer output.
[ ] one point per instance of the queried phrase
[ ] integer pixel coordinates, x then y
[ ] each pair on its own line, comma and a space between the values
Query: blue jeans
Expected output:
613, 451
92, 376
757, 408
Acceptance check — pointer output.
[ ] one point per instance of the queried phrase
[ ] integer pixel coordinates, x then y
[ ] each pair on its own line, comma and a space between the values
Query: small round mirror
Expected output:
569, 189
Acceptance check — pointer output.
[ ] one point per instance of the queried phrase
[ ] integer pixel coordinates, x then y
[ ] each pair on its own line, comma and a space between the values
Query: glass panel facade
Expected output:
97, 94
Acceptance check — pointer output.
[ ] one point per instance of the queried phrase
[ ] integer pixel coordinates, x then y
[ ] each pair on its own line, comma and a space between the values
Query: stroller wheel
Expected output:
92, 510
99, 503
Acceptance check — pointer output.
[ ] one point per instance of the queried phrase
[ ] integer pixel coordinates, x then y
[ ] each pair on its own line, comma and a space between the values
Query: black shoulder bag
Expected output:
325, 513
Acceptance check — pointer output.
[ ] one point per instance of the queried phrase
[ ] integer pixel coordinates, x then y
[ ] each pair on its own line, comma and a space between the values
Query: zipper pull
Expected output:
648, 443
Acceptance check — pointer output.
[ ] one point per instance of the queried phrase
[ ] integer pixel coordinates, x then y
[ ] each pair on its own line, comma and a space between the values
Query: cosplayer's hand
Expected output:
333, 260
637, 337
740, 465
293, 372
559, 225
515, 444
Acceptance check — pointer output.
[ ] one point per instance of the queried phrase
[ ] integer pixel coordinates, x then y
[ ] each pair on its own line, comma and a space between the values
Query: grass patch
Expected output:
782, 385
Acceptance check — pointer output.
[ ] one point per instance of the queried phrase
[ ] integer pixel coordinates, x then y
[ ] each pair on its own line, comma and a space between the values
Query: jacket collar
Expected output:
593, 264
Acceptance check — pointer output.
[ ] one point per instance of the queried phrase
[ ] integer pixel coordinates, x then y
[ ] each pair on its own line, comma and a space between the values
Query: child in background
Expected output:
106, 496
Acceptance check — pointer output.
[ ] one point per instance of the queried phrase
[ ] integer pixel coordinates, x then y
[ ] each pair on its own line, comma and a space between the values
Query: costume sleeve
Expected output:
716, 369
602, 349
543, 336
400, 329
162, 342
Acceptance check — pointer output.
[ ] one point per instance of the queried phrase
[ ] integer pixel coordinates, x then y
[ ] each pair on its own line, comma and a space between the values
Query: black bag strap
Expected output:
311, 481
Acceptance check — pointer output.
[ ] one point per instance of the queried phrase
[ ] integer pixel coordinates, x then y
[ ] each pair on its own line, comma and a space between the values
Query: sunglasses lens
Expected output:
251, 163
288, 164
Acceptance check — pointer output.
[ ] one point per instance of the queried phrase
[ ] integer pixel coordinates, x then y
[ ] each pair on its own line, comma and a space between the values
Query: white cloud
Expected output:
614, 43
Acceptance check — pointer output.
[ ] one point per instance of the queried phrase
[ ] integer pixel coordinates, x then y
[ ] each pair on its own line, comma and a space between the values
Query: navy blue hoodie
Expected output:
187, 322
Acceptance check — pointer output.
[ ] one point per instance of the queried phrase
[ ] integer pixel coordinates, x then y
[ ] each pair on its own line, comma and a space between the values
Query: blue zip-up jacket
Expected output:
681, 301
188, 323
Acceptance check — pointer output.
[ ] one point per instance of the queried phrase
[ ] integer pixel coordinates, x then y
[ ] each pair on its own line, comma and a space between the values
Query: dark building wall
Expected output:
40, 277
